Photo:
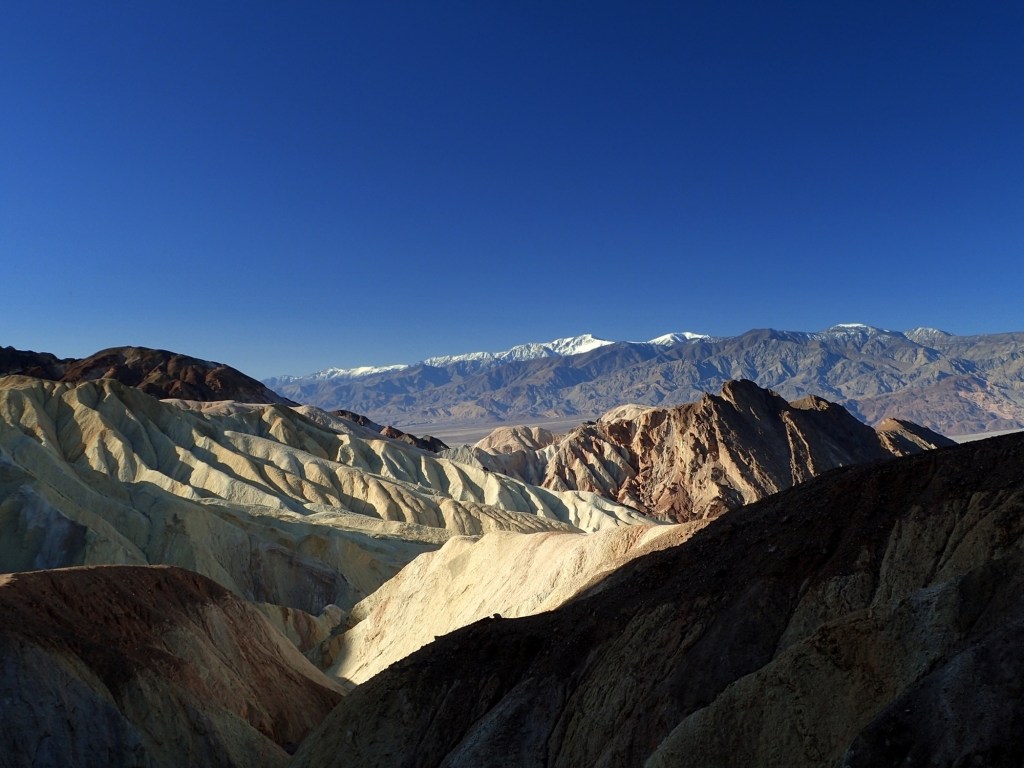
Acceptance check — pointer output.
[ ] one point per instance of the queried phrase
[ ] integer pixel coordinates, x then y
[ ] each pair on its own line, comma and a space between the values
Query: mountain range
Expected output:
952, 384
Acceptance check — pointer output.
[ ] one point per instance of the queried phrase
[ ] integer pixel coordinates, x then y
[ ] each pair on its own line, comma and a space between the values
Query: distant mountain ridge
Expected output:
951, 384
571, 345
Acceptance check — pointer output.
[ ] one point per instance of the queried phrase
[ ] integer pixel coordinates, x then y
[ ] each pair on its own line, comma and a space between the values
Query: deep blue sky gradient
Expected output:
290, 186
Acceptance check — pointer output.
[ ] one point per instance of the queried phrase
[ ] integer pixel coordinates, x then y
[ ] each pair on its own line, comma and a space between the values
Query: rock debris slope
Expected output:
262, 499
146, 666
695, 461
871, 616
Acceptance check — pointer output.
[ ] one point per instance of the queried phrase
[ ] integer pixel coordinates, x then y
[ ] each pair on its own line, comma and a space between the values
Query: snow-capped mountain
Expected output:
570, 345
340, 373
669, 339
850, 331
954, 384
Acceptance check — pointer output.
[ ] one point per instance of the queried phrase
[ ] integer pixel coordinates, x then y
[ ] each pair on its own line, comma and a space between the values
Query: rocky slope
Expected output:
146, 666
698, 460
156, 372
471, 578
952, 384
286, 506
871, 616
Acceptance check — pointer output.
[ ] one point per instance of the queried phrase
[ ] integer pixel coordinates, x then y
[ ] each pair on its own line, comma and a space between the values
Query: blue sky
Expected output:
290, 186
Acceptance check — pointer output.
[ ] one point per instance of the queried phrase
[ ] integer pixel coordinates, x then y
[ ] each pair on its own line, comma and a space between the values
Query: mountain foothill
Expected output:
744, 552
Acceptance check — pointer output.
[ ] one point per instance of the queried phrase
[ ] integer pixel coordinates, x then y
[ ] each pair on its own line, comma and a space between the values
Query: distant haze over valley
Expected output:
953, 384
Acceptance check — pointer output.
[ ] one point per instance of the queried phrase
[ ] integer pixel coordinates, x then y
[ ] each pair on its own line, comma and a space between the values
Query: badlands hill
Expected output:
281, 505
156, 372
952, 384
698, 460
147, 666
870, 616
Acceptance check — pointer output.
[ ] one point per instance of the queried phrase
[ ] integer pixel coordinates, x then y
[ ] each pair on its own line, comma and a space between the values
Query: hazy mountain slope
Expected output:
156, 372
258, 497
866, 616
873, 372
146, 666
700, 459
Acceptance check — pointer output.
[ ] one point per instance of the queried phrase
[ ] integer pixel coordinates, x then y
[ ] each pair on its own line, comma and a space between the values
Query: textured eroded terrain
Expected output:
867, 617
695, 461
263, 499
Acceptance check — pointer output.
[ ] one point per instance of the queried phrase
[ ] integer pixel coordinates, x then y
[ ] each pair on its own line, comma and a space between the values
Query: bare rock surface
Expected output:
697, 460
496, 576
146, 666
870, 616
518, 438
265, 501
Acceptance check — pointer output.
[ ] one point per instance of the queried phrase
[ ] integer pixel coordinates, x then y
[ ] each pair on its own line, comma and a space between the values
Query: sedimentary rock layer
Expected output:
695, 461
261, 498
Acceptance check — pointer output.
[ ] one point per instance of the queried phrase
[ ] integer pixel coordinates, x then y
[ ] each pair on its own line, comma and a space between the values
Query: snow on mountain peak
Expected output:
851, 329
571, 345
669, 339
926, 335
577, 345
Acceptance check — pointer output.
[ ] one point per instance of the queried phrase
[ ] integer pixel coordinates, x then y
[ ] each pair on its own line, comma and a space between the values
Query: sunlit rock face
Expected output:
695, 461
272, 504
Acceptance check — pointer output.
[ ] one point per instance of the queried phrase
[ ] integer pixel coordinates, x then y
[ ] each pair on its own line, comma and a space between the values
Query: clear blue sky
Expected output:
289, 186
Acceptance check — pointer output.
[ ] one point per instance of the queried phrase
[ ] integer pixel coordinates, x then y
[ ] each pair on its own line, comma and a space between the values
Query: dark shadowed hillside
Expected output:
154, 666
871, 616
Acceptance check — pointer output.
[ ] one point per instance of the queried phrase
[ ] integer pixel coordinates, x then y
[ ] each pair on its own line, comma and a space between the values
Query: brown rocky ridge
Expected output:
147, 666
698, 460
870, 616
156, 372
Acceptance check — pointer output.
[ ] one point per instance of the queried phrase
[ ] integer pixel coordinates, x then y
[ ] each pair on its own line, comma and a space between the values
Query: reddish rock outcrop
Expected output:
701, 459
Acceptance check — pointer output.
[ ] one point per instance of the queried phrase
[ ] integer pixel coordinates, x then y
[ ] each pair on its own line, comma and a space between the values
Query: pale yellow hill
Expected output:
260, 498
473, 578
